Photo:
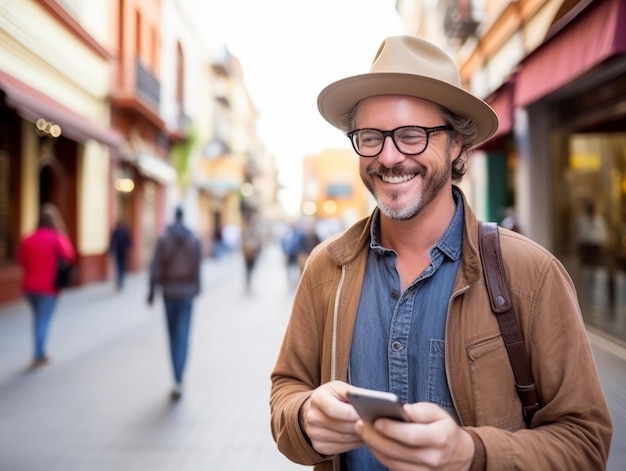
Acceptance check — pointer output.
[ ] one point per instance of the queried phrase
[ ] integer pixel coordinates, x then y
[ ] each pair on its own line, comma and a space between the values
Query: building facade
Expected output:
555, 72
55, 136
111, 110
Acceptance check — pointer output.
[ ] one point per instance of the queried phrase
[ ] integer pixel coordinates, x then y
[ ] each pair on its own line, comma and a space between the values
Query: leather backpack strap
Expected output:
502, 306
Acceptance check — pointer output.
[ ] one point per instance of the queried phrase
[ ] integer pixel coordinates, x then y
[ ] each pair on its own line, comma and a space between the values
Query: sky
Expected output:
289, 51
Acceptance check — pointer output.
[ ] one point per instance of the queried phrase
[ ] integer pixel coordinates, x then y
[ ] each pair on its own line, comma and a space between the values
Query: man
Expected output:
119, 249
251, 249
398, 302
176, 269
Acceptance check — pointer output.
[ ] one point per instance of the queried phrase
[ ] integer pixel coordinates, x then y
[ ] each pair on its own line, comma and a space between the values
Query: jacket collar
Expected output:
345, 247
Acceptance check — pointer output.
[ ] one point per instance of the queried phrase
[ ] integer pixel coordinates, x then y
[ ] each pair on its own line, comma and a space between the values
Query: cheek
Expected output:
363, 166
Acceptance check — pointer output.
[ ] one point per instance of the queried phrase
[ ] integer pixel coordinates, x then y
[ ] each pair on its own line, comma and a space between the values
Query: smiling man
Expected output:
398, 302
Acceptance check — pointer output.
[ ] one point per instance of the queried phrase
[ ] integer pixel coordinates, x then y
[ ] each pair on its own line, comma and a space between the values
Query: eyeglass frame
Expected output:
385, 134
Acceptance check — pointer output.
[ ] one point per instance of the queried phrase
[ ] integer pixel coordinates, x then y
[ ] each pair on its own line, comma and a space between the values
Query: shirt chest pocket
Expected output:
438, 391
496, 402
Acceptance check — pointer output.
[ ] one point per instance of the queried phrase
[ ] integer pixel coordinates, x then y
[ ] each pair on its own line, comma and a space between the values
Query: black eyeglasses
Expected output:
409, 140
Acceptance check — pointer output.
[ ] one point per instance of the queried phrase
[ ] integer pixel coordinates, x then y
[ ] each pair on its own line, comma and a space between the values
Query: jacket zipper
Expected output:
333, 356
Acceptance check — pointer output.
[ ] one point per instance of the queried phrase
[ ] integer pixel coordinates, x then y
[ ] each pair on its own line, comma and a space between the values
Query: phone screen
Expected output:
372, 405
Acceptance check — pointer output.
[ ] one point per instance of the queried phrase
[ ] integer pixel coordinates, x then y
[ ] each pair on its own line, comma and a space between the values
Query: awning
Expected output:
31, 105
598, 33
156, 168
502, 103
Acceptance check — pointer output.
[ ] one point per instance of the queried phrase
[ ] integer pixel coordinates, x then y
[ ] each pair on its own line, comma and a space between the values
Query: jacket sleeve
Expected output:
573, 428
297, 373
66, 248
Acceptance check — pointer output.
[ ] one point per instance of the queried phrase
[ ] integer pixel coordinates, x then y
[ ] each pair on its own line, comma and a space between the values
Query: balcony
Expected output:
147, 86
459, 22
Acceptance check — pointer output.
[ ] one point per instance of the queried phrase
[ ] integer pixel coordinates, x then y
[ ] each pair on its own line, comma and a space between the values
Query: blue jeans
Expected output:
178, 313
43, 306
120, 270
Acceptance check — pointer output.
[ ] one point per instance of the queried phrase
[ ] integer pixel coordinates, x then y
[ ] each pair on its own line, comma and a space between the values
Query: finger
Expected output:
332, 436
331, 401
401, 446
388, 451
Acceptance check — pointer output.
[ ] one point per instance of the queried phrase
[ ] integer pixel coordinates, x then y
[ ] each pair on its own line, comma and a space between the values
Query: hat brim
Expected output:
339, 98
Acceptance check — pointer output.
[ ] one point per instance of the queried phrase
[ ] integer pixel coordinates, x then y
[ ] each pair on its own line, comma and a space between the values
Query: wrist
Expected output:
479, 460
302, 419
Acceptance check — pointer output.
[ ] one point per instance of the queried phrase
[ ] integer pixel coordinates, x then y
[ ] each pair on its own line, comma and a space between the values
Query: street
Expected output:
103, 404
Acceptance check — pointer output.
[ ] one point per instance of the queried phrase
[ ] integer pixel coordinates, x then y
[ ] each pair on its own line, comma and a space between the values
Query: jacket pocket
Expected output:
496, 402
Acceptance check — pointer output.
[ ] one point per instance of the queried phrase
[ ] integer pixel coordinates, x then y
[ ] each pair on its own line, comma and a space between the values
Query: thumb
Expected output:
425, 412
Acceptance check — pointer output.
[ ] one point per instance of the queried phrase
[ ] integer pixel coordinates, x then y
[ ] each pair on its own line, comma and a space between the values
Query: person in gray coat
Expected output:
175, 269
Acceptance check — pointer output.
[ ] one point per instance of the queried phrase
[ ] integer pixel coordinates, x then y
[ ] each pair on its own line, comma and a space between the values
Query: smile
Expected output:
397, 178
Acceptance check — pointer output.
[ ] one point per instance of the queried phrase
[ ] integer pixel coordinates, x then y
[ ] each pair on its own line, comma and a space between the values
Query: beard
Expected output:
432, 183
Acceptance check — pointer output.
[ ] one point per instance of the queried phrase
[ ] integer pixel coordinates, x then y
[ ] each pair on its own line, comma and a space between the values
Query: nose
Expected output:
389, 155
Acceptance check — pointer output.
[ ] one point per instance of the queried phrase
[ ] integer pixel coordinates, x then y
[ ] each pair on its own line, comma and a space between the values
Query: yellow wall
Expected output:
93, 193
29, 180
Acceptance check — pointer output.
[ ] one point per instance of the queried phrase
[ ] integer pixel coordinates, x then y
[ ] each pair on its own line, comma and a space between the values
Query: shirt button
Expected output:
395, 294
396, 346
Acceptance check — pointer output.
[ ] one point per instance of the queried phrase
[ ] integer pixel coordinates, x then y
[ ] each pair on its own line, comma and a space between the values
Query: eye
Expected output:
369, 138
410, 135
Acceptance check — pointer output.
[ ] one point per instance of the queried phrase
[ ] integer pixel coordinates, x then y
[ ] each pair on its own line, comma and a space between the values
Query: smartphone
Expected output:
372, 405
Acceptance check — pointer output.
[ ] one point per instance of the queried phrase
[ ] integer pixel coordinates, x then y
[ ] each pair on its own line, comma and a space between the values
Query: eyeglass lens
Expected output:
407, 139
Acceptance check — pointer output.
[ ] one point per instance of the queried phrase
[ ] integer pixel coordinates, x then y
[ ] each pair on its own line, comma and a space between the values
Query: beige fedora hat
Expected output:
408, 65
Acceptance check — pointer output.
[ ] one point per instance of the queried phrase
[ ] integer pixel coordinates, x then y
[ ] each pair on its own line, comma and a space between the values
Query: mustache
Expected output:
382, 171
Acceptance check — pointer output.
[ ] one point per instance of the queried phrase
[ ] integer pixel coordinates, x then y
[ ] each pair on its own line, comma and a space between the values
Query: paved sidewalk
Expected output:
103, 403
611, 361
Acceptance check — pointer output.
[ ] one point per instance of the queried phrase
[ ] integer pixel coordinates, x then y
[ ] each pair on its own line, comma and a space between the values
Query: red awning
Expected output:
596, 34
502, 103
31, 104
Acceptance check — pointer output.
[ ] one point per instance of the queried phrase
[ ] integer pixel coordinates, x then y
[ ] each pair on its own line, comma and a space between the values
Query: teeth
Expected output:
396, 179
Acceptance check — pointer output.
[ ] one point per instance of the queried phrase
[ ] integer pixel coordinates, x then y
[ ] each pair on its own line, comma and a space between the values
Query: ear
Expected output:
455, 143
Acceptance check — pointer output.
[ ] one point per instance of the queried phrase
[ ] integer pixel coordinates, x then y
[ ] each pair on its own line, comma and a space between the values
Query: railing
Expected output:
146, 85
459, 22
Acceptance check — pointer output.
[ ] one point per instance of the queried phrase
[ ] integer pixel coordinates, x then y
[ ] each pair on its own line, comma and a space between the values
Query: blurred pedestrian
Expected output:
510, 220
250, 248
290, 245
591, 235
592, 239
308, 240
175, 269
38, 254
119, 248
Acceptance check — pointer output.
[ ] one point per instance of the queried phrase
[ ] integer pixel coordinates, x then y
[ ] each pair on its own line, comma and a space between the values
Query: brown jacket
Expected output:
572, 430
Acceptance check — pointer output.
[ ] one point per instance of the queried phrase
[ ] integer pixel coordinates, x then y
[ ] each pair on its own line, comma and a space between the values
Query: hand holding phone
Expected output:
372, 405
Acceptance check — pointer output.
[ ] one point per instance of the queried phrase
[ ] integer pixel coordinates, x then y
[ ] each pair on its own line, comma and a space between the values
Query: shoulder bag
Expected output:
64, 271
502, 306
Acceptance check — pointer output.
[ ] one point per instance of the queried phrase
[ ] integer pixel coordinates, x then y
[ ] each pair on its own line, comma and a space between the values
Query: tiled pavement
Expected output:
103, 404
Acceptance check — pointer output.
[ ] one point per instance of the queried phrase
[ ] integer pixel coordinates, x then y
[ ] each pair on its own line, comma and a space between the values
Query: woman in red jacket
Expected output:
38, 254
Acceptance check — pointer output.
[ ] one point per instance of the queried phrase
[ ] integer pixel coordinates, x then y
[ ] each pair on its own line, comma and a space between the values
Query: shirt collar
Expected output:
451, 241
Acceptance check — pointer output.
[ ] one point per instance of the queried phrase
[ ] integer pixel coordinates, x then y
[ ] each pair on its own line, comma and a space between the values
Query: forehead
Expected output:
390, 108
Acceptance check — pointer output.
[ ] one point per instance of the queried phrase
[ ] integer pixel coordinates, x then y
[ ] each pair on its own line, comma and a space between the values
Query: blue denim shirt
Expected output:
398, 342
